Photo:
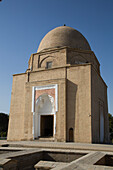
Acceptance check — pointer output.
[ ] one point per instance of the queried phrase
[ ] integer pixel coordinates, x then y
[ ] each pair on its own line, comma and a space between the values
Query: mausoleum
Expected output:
61, 96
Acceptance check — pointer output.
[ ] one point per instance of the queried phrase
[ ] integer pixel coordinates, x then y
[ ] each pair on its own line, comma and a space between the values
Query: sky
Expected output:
24, 23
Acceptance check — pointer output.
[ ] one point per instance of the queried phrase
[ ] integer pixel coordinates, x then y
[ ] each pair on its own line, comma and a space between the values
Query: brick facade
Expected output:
80, 90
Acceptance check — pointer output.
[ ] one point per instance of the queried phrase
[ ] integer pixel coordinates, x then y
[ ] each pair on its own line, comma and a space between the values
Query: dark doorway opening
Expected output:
46, 125
71, 135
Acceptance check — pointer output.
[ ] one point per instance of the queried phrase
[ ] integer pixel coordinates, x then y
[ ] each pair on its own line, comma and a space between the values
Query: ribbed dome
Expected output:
64, 36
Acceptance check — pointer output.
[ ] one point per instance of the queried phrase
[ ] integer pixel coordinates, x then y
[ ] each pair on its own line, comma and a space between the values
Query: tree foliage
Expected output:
111, 126
4, 119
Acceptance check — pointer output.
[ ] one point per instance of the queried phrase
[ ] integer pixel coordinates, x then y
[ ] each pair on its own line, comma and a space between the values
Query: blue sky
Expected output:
23, 24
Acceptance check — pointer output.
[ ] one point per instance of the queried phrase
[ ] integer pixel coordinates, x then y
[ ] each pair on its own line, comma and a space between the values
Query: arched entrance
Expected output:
71, 135
44, 118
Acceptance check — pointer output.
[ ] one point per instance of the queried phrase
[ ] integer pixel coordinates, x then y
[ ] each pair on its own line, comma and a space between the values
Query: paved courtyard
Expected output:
55, 155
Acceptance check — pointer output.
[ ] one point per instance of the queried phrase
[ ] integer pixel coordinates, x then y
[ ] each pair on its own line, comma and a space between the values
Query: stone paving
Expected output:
94, 153
62, 145
49, 165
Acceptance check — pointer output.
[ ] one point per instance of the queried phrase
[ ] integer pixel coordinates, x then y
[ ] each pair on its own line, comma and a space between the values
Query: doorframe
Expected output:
39, 122
52, 115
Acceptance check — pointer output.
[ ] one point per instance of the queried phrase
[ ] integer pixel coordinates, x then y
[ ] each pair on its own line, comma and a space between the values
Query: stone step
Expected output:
42, 139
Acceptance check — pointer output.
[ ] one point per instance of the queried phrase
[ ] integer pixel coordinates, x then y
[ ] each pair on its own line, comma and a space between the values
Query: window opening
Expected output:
49, 64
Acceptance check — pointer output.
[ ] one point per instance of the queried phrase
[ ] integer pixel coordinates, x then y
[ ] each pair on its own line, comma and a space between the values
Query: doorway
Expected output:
46, 125
71, 135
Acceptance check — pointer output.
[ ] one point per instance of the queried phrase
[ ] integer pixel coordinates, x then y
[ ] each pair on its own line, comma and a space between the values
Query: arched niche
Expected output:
44, 118
71, 135
44, 104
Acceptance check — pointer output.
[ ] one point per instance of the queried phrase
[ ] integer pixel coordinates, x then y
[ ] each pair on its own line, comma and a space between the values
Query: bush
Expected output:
3, 134
4, 119
111, 127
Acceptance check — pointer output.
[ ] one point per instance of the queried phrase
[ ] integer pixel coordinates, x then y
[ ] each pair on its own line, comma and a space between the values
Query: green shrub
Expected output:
4, 118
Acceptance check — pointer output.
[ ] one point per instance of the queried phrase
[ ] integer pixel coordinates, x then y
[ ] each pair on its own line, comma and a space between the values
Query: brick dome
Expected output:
64, 36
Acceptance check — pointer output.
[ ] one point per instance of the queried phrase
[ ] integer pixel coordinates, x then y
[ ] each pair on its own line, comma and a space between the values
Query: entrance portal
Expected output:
46, 125
44, 116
